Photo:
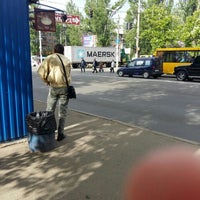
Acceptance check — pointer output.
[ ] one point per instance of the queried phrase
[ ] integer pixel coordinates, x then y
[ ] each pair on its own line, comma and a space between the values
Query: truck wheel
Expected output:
181, 76
121, 73
146, 75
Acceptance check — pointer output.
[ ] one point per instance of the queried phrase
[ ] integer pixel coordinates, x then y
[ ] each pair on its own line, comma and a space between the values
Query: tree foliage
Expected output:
191, 30
162, 24
34, 36
188, 7
74, 32
34, 40
155, 28
101, 24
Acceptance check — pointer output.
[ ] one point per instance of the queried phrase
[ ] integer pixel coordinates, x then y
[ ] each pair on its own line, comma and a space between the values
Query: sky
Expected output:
80, 3
61, 4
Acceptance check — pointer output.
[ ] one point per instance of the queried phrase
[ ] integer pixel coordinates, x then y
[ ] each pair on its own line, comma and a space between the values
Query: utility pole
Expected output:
117, 44
138, 31
40, 45
65, 33
117, 39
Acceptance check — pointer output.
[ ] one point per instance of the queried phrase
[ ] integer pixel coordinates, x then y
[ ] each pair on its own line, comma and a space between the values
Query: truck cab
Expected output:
188, 72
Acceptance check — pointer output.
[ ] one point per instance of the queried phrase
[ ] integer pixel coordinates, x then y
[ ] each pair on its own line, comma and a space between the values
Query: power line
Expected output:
53, 2
121, 10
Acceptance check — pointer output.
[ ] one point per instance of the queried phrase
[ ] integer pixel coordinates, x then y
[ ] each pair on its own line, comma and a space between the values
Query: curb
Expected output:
135, 126
23, 140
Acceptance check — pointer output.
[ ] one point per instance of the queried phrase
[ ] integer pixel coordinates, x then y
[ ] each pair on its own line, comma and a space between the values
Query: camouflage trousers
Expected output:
58, 95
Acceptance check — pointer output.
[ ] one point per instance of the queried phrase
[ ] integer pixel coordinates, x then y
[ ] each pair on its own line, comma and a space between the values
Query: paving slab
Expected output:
91, 163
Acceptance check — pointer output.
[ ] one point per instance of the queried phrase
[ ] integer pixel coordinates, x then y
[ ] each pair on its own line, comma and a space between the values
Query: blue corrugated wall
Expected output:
16, 95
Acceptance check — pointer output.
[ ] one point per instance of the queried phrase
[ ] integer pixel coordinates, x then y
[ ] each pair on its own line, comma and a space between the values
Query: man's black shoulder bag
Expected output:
71, 92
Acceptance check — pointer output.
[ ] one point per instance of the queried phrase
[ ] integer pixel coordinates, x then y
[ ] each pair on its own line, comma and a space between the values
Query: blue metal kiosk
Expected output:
16, 95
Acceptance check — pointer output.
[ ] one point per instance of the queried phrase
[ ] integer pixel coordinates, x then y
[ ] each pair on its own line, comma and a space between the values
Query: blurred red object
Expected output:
166, 174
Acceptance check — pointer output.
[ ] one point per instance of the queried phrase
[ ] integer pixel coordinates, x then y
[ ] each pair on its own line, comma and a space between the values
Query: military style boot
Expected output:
61, 126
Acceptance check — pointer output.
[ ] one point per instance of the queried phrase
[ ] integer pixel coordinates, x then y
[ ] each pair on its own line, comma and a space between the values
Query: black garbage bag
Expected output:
41, 123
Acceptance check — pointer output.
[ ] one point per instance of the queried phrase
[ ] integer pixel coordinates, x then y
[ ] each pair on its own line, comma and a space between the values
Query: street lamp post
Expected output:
117, 45
117, 39
65, 32
138, 31
40, 45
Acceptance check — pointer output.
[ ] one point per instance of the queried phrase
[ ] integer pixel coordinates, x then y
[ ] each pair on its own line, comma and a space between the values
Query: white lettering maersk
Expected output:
101, 54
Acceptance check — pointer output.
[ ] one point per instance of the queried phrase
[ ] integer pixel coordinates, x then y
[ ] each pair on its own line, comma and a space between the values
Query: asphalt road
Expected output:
162, 104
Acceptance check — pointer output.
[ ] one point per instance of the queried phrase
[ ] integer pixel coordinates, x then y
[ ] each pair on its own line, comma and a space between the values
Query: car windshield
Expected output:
131, 64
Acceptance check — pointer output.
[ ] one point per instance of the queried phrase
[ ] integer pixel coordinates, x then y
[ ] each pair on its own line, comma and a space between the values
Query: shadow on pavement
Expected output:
91, 163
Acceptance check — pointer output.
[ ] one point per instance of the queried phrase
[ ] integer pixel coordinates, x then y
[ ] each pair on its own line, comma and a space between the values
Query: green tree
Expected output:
101, 24
158, 26
69, 34
131, 17
191, 30
154, 2
188, 7
155, 28
74, 32
34, 40
34, 36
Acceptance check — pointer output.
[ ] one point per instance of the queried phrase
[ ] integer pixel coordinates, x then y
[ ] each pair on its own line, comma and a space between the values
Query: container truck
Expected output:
103, 55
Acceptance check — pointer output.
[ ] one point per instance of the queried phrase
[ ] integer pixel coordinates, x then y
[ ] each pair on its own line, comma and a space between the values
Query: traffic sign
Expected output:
71, 19
117, 41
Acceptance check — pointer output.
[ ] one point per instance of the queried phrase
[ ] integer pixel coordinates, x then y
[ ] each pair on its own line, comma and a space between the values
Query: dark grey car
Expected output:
144, 67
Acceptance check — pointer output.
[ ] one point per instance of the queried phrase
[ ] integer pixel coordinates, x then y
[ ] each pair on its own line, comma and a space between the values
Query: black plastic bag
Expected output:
41, 123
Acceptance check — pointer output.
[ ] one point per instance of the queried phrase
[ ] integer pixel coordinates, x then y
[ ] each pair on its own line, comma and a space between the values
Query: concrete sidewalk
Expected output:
91, 163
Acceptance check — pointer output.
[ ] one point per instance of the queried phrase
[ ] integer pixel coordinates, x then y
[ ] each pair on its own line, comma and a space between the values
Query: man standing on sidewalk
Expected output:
51, 72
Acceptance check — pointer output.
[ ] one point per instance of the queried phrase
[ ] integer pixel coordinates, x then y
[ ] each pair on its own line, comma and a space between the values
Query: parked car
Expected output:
145, 67
34, 63
188, 72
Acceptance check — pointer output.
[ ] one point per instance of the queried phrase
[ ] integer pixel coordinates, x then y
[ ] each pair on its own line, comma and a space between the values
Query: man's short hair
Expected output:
59, 48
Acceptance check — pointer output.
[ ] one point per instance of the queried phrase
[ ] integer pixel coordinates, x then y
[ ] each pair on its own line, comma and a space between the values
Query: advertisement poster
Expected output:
45, 20
89, 41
